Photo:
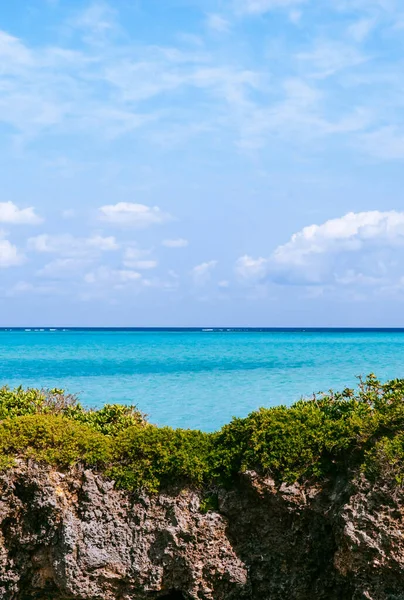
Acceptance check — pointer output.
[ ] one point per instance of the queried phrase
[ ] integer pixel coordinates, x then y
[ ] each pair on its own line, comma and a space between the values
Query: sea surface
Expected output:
196, 378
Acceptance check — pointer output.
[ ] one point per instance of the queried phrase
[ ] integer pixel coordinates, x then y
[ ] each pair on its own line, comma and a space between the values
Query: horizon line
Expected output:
223, 328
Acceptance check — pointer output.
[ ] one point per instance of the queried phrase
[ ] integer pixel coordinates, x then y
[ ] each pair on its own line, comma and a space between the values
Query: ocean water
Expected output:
197, 379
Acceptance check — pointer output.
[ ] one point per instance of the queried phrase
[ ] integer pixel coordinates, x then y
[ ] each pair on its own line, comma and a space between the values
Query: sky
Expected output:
202, 163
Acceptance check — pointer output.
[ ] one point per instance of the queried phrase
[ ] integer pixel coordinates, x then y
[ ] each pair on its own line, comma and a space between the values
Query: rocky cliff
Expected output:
74, 536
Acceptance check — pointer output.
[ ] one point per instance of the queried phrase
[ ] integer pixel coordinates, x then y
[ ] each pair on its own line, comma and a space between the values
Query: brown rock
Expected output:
73, 536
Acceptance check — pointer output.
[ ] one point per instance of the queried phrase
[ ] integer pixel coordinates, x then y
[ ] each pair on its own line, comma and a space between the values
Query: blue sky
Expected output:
200, 162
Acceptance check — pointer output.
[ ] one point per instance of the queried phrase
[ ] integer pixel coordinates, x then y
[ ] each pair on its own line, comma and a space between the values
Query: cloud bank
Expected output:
364, 247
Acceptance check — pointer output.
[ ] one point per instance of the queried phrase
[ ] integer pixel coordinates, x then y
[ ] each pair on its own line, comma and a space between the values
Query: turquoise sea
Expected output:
195, 378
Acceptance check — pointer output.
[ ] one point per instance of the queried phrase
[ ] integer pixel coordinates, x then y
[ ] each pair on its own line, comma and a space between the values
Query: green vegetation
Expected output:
209, 502
354, 430
109, 420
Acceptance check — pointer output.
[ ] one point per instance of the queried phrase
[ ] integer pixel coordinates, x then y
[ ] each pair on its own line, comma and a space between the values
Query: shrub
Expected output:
360, 429
313, 437
20, 402
110, 419
286, 443
54, 439
152, 457
385, 461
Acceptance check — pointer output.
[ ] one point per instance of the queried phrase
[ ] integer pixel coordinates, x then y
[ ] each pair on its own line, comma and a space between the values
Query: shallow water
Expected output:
197, 379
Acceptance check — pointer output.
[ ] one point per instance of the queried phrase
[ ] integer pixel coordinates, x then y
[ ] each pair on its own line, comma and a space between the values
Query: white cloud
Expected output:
102, 243
68, 245
201, 274
248, 268
176, 243
116, 277
10, 256
329, 57
104, 280
97, 20
297, 116
165, 285
13, 50
361, 29
350, 232
136, 258
10, 213
63, 268
358, 248
129, 214
218, 23
127, 88
257, 7
145, 264
56, 89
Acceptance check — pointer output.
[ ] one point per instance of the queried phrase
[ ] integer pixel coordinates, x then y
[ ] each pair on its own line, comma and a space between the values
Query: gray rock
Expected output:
74, 536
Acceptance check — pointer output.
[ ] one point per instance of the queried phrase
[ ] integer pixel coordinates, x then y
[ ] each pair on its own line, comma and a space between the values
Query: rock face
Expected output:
73, 536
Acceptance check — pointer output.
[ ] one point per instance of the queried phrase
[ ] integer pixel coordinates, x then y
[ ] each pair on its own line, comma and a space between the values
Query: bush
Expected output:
286, 443
152, 457
386, 461
20, 402
316, 437
331, 433
110, 419
53, 439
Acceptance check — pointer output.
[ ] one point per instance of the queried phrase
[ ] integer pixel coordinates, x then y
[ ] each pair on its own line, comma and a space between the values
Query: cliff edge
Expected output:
72, 535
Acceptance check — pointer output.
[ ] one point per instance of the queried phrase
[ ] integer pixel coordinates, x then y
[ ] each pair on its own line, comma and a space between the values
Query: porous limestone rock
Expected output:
73, 536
